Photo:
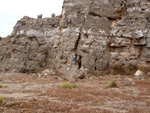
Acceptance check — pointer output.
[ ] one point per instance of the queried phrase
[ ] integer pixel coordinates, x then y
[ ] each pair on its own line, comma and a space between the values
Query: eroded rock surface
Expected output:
106, 34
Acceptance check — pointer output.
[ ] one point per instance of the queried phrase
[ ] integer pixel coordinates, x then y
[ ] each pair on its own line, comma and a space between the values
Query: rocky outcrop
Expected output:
30, 46
106, 34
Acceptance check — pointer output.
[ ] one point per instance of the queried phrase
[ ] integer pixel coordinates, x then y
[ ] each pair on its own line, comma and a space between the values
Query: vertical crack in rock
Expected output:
46, 57
79, 37
76, 47
140, 52
77, 42
80, 61
95, 64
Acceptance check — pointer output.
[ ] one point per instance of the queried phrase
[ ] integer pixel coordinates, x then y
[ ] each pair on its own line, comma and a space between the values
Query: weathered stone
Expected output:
74, 73
47, 72
129, 81
139, 74
104, 33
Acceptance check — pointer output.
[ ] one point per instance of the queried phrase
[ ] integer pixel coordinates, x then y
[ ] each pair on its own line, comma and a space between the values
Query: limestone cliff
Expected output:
107, 35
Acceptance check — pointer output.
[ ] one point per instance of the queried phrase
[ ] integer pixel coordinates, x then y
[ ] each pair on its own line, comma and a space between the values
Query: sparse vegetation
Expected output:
90, 92
113, 84
74, 86
144, 69
1, 85
1, 99
68, 85
33, 70
6, 86
40, 64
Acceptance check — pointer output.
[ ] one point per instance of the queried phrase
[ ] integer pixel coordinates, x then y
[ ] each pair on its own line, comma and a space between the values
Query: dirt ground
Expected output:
45, 94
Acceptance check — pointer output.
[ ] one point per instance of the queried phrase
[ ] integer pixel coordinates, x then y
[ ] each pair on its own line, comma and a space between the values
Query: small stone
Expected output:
129, 81
39, 74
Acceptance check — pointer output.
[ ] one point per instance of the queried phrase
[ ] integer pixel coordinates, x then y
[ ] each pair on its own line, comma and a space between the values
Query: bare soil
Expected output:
45, 94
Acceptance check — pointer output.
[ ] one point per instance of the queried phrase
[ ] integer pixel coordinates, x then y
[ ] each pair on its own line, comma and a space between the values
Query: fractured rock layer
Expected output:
106, 34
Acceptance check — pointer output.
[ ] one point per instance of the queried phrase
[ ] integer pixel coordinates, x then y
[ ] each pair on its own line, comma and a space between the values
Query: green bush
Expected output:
1, 85
74, 86
68, 85
1, 99
6, 86
113, 84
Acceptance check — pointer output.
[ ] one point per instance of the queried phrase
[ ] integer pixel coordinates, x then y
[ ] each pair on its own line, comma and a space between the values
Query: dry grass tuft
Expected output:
1, 99
114, 84
68, 85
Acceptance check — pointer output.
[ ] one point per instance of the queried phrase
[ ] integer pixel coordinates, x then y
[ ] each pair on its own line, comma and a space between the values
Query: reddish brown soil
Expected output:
33, 94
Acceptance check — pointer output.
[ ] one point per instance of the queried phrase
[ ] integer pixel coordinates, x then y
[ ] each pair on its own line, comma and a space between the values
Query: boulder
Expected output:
74, 74
139, 74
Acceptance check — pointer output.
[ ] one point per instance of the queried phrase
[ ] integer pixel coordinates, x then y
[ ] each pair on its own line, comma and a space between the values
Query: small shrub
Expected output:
111, 71
144, 69
33, 69
74, 86
113, 84
98, 103
68, 85
1, 99
1, 85
40, 64
6, 86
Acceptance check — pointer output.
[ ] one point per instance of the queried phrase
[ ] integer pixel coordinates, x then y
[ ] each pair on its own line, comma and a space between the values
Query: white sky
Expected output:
13, 10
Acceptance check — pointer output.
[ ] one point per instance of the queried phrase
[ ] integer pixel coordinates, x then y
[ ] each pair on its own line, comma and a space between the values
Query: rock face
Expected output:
106, 34
31, 45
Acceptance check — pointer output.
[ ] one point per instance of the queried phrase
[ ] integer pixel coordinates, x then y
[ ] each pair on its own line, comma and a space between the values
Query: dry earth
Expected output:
34, 94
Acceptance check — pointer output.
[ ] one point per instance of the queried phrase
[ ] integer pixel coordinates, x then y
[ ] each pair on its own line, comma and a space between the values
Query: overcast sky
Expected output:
13, 10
